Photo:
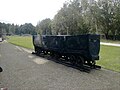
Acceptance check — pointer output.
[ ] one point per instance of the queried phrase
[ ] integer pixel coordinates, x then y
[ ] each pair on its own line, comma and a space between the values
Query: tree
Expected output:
11, 29
70, 19
44, 27
107, 16
116, 13
27, 28
17, 30
0, 29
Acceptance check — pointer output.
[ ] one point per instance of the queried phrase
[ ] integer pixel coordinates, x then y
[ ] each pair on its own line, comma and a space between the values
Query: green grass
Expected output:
25, 41
109, 55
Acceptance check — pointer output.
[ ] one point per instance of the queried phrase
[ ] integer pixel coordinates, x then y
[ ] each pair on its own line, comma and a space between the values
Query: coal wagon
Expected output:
79, 50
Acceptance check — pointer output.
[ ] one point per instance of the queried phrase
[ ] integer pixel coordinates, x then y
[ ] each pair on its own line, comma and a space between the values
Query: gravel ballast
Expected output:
24, 71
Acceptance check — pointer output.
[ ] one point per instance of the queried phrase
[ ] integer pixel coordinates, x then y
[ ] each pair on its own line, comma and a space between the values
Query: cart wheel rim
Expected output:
80, 60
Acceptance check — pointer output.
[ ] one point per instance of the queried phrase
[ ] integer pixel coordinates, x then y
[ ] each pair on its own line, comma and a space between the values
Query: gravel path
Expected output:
24, 71
110, 44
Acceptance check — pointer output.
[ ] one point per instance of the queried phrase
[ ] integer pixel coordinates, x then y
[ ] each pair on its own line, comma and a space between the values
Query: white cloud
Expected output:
24, 11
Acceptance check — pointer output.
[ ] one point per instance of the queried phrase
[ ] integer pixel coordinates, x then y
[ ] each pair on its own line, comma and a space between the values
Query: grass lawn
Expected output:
109, 55
25, 41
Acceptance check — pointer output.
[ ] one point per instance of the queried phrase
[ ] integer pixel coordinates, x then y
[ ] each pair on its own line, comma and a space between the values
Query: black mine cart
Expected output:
79, 50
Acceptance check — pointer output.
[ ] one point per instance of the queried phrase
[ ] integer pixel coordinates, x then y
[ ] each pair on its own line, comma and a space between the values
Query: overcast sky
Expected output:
28, 11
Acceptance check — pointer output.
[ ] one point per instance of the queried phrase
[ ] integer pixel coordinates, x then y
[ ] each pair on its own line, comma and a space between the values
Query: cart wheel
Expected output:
52, 54
66, 58
37, 52
1, 69
56, 56
80, 61
72, 59
45, 52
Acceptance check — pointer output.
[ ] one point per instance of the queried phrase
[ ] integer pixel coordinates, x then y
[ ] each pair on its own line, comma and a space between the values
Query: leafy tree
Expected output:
108, 16
70, 19
44, 27
27, 28
0, 29
17, 30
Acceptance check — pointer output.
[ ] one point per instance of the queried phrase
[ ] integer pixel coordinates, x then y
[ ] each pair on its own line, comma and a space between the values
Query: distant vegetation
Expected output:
11, 29
74, 18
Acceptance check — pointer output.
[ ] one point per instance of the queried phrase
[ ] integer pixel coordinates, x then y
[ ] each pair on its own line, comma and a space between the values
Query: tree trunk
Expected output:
106, 36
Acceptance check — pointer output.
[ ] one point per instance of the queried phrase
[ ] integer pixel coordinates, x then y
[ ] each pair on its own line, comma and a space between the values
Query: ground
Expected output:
24, 71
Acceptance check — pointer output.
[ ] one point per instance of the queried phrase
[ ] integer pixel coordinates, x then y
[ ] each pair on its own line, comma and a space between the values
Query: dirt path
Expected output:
24, 71
110, 44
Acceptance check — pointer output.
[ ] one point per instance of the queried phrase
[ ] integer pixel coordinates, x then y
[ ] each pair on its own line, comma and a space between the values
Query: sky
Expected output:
28, 11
